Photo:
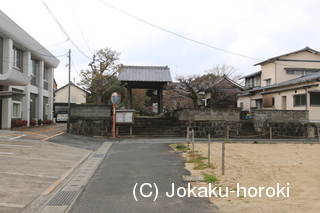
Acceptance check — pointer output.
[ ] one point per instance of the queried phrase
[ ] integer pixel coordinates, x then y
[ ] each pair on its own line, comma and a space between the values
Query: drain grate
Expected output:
63, 198
98, 155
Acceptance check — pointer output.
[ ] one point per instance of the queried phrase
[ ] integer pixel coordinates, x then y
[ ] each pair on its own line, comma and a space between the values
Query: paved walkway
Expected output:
28, 168
110, 189
33, 133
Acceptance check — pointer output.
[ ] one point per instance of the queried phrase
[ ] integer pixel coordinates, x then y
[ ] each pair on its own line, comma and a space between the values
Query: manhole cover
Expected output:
63, 198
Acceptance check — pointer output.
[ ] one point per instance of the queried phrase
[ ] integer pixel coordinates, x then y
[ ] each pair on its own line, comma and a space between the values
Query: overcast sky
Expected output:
260, 29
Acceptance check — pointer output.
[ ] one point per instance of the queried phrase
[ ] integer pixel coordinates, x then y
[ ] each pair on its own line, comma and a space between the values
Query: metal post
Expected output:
193, 140
209, 139
222, 157
69, 91
270, 133
113, 120
228, 132
188, 135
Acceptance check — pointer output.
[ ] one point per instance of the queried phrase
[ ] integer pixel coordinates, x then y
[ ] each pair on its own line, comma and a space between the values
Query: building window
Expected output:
46, 108
300, 100
241, 105
302, 72
273, 101
45, 78
268, 82
315, 98
16, 109
17, 58
259, 103
33, 106
35, 72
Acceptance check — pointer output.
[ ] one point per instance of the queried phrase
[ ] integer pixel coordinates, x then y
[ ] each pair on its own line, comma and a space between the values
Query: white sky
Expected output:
261, 29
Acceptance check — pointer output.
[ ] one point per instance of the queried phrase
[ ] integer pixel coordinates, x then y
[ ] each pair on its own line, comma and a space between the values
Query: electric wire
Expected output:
64, 31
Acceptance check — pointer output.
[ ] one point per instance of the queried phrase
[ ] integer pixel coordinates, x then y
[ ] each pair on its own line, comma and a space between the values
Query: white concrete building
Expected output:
26, 75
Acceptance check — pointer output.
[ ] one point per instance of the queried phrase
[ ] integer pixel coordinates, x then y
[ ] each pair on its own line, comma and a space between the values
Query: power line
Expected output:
81, 31
63, 30
176, 34
182, 36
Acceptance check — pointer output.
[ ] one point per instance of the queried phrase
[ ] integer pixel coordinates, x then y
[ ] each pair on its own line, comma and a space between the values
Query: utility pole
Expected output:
69, 105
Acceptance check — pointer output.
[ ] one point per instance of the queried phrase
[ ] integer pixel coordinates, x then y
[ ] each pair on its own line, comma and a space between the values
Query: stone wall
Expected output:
207, 114
284, 123
91, 120
215, 128
288, 129
281, 115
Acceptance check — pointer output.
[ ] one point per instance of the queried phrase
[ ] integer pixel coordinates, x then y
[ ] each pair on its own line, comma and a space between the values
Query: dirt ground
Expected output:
265, 165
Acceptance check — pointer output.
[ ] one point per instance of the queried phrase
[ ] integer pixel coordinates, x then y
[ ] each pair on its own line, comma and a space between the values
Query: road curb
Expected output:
53, 136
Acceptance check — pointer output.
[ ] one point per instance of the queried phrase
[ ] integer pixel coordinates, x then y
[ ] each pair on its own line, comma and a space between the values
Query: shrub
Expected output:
18, 123
210, 178
40, 122
33, 122
48, 122
181, 147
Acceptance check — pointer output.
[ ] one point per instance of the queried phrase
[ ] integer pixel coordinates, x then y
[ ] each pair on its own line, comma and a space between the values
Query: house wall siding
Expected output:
78, 96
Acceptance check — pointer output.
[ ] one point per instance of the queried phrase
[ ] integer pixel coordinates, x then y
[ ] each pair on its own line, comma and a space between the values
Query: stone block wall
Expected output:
91, 127
264, 118
215, 128
207, 114
91, 120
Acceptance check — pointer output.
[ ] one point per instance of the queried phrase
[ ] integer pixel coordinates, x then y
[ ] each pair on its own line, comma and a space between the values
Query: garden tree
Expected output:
225, 70
172, 100
194, 86
101, 77
190, 87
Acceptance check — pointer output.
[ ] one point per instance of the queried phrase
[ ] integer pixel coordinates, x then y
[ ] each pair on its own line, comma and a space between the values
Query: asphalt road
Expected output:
110, 189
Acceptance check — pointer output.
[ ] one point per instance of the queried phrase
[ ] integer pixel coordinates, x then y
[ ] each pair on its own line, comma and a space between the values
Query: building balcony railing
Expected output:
14, 78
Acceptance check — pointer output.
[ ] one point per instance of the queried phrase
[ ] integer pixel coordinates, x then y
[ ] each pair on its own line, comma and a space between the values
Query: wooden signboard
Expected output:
124, 117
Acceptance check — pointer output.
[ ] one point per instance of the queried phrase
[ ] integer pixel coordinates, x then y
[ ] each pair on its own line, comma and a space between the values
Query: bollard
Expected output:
222, 157
209, 139
228, 131
193, 140
188, 134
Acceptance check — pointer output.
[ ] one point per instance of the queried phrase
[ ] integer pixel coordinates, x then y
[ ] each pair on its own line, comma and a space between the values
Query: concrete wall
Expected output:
93, 120
208, 114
